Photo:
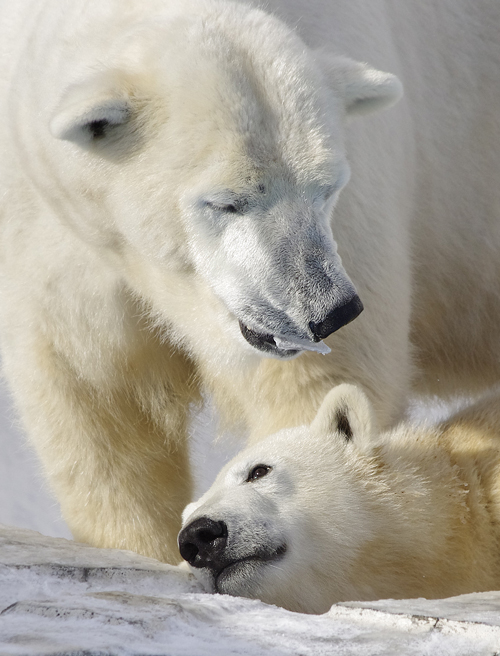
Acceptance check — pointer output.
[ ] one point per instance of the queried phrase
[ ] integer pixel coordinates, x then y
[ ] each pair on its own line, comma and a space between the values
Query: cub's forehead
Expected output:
296, 458
279, 451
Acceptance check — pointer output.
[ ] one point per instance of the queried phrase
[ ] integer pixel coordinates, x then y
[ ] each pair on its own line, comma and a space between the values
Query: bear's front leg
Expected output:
115, 449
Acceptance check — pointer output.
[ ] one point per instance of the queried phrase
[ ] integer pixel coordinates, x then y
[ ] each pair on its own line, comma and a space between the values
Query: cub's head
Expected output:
284, 519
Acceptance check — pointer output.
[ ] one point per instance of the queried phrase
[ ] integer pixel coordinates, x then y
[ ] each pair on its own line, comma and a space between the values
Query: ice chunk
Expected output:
289, 343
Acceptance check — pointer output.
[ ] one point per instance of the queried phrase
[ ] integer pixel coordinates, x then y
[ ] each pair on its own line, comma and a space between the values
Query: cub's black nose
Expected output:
202, 543
338, 317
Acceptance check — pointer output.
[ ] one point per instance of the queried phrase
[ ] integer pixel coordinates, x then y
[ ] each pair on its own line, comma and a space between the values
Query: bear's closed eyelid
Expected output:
237, 206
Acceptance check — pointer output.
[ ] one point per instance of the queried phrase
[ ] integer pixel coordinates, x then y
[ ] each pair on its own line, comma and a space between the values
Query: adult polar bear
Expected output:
169, 170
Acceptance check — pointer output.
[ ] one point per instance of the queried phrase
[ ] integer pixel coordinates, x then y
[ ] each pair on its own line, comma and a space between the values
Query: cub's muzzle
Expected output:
203, 542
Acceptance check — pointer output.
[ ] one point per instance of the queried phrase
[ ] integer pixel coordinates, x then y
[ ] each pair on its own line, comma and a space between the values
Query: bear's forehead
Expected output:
251, 115
265, 104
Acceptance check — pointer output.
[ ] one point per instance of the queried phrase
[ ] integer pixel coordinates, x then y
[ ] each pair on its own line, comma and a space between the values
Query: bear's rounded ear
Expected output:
346, 412
362, 89
89, 110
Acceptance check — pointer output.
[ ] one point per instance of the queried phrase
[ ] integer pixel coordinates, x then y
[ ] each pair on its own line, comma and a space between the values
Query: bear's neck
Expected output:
432, 508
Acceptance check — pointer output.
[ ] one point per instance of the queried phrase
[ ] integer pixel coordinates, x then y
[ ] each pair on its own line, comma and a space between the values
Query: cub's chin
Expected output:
239, 579
243, 577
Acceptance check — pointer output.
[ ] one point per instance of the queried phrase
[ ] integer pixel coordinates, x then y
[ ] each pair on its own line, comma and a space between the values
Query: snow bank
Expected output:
59, 597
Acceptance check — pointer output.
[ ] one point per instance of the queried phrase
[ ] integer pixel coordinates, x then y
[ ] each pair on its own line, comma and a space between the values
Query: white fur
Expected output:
347, 513
124, 275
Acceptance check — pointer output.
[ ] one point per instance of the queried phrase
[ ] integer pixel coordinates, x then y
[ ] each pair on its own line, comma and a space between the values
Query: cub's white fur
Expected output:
170, 175
346, 513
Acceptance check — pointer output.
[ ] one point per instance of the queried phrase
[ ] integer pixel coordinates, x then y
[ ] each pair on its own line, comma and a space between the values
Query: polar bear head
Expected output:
284, 519
204, 150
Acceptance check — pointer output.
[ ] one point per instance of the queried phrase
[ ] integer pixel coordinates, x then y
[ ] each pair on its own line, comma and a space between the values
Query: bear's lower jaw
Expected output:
265, 343
238, 577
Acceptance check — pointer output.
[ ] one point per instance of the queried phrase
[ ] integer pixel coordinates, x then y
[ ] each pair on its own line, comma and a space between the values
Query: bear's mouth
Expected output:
265, 343
230, 578
280, 346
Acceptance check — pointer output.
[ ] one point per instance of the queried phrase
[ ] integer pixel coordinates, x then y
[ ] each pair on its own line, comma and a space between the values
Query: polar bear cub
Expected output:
334, 511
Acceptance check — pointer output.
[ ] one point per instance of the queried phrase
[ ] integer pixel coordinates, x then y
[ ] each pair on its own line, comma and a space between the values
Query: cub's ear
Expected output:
363, 89
89, 110
346, 412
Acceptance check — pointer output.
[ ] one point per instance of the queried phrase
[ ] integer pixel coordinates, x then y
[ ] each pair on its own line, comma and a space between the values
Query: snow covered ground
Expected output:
60, 598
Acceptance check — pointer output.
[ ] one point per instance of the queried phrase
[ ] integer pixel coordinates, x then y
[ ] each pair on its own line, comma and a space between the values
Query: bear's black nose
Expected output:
338, 317
202, 543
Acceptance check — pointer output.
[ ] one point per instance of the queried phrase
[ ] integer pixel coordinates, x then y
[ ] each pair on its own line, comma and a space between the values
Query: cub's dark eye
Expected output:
258, 472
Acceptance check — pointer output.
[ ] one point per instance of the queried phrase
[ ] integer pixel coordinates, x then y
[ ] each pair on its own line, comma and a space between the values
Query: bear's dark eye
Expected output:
258, 472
